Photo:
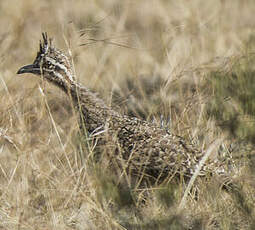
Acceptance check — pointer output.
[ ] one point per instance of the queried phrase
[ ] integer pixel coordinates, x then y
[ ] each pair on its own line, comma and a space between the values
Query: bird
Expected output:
146, 149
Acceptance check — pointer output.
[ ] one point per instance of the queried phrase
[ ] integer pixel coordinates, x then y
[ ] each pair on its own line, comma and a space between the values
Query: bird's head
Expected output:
50, 63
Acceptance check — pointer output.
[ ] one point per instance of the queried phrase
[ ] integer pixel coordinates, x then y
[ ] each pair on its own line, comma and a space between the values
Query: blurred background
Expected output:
186, 65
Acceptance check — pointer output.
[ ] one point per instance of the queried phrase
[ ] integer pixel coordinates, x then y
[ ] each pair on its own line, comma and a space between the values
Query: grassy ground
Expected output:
190, 61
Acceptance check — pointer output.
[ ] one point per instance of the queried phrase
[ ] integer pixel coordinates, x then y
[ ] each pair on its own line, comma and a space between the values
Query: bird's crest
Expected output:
45, 45
51, 63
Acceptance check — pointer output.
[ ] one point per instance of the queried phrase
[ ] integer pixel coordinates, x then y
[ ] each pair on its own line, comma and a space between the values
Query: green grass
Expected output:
233, 102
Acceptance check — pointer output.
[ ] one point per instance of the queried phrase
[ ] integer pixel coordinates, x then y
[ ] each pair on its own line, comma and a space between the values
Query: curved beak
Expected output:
33, 68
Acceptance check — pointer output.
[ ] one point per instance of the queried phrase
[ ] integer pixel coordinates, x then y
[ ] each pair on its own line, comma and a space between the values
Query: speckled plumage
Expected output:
145, 147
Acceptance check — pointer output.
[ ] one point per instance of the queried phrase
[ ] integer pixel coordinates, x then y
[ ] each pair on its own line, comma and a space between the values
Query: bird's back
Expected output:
156, 152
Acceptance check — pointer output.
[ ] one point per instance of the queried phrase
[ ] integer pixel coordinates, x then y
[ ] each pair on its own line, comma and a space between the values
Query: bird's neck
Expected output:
81, 94
93, 111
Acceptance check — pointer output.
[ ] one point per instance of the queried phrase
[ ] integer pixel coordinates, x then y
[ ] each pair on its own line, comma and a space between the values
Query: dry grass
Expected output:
147, 58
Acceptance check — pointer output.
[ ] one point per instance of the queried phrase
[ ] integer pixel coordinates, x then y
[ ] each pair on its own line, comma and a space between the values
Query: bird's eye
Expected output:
49, 65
